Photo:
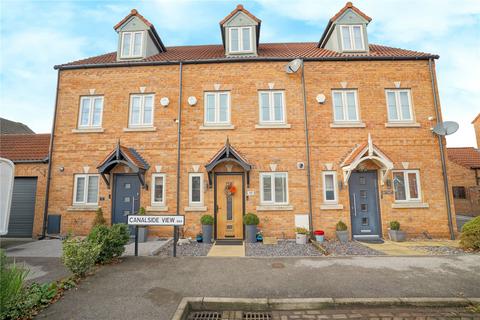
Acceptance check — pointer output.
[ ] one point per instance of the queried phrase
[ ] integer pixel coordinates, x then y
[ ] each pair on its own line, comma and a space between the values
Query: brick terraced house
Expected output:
341, 133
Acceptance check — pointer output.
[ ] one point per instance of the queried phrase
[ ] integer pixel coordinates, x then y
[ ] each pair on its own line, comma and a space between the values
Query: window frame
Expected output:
463, 192
132, 44
90, 113
352, 39
271, 107
407, 186
272, 183
152, 200
142, 110
344, 93
335, 187
191, 203
217, 121
85, 191
240, 40
398, 106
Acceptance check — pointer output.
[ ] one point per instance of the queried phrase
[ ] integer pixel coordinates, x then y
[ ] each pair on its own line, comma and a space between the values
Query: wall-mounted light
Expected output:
164, 101
61, 169
192, 101
321, 98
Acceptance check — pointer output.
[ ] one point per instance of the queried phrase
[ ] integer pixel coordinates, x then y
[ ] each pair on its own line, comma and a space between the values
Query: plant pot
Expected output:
343, 236
300, 238
207, 232
397, 235
142, 234
250, 233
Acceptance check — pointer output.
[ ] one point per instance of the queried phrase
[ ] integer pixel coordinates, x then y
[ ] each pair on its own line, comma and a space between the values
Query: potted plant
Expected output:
342, 231
207, 228
251, 221
395, 233
142, 230
301, 235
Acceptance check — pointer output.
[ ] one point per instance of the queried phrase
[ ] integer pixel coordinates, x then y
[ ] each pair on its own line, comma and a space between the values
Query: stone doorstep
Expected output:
189, 304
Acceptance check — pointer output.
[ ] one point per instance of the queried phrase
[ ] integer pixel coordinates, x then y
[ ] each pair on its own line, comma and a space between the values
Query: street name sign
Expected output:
141, 220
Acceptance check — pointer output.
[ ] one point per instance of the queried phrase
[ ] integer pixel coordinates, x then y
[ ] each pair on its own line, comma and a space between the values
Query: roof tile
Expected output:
24, 147
467, 157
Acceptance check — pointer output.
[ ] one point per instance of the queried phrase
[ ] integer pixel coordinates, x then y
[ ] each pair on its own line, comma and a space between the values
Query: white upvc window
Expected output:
91, 110
217, 108
352, 38
406, 185
274, 188
272, 107
141, 110
399, 105
330, 190
241, 39
158, 189
85, 190
132, 44
195, 189
345, 106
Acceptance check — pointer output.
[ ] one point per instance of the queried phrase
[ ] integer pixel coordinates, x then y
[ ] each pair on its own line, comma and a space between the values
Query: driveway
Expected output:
152, 287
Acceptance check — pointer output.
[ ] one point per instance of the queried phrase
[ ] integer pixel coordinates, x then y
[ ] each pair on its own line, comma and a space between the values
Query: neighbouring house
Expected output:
10, 127
464, 176
230, 122
29, 153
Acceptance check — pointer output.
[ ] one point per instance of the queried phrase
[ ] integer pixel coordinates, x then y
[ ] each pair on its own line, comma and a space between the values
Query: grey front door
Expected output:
22, 210
126, 197
364, 208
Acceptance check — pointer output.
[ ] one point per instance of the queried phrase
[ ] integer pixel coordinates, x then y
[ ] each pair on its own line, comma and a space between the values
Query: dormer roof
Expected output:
237, 9
133, 13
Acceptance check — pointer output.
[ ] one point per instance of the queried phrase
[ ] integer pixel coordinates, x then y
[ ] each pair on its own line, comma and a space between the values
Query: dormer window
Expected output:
241, 39
352, 38
132, 43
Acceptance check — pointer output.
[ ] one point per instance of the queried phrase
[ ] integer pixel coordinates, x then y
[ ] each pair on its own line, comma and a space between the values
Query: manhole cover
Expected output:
205, 315
278, 265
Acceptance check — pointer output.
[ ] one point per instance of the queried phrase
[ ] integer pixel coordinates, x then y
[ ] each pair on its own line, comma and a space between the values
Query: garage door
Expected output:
23, 208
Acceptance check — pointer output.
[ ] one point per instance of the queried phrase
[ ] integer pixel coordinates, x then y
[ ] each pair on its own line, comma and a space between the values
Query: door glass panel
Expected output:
361, 180
363, 207
365, 221
126, 199
126, 212
229, 207
363, 194
127, 186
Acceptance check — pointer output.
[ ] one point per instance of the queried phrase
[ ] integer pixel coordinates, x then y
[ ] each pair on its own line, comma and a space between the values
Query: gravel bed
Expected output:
193, 249
351, 248
284, 248
439, 250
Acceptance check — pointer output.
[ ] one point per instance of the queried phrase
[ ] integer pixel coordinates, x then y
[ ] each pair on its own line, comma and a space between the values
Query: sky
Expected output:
36, 35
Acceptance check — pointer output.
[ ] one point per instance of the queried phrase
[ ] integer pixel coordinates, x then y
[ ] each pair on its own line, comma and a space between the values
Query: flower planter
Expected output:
250, 233
142, 234
343, 236
207, 233
300, 238
397, 235
319, 235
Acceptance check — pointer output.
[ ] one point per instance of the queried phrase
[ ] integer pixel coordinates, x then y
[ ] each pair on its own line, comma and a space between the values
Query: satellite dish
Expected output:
293, 66
445, 128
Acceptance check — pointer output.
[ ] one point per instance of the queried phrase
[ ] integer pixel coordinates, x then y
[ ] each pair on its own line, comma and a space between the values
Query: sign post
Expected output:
142, 220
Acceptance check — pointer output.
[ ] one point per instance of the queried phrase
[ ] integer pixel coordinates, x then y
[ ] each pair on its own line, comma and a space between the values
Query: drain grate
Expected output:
257, 316
205, 315
229, 315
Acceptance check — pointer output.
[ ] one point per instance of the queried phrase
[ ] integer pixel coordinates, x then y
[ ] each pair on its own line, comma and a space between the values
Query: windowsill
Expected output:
273, 126
88, 130
408, 205
272, 207
331, 206
217, 127
135, 129
347, 125
195, 208
157, 208
402, 125
83, 208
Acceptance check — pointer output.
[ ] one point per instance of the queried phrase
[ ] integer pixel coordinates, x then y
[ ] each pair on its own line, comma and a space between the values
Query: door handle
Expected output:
354, 205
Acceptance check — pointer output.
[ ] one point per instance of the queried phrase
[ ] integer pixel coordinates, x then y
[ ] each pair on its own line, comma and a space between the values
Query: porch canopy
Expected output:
366, 151
126, 156
228, 154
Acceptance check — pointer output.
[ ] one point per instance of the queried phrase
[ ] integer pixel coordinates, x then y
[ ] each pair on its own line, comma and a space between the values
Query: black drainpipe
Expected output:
442, 153
49, 171
179, 136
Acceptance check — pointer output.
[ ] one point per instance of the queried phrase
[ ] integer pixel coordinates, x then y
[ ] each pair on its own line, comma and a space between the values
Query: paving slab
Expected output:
227, 251
149, 248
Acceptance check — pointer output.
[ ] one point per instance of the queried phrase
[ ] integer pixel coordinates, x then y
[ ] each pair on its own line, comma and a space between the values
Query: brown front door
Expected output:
229, 200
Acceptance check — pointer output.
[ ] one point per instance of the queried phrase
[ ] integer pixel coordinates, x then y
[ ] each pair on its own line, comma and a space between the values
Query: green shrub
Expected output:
394, 225
341, 226
206, 219
470, 237
300, 230
79, 256
12, 279
99, 219
141, 211
112, 241
251, 219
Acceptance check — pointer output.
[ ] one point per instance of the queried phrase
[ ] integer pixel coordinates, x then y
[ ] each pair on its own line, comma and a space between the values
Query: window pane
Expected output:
92, 194
79, 196
234, 40
246, 39
264, 107
338, 107
223, 107
148, 110
84, 111
329, 187
97, 111
346, 38
158, 192
267, 188
392, 106
357, 37
351, 106
413, 185
137, 44
405, 105
135, 117
126, 44
280, 188
278, 106
210, 108
196, 189
399, 186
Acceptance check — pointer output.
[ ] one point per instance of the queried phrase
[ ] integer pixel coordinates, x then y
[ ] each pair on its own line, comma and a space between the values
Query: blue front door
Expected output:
364, 208
126, 197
